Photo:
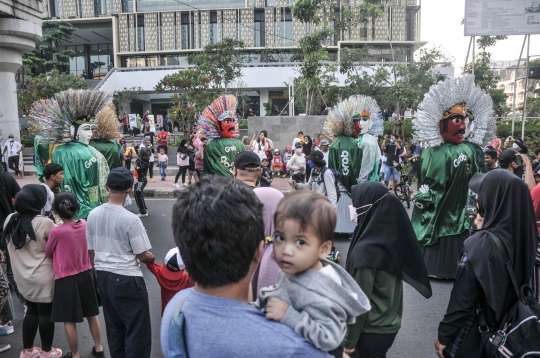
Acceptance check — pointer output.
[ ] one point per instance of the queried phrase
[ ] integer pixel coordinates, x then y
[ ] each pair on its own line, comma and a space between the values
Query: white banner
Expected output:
502, 17
132, 120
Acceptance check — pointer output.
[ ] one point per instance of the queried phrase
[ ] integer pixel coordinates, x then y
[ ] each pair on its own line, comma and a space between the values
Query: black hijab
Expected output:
28, 204
384, 238
182, 148
506, 203
307, 145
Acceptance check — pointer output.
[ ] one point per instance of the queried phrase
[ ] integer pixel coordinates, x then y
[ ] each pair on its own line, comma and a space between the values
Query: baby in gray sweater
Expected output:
314, 296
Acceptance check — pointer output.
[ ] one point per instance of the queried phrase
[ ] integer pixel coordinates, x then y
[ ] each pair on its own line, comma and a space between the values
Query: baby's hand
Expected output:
275, 309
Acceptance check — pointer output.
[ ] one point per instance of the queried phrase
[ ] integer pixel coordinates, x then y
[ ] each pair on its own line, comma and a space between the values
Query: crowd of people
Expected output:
249, 273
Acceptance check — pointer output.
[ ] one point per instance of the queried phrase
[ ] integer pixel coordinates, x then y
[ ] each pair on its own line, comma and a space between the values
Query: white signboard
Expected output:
132, 120
502, 17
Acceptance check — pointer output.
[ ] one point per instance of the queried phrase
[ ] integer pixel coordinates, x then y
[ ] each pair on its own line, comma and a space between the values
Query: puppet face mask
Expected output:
357, 127
84, 133
453, 125
227, 126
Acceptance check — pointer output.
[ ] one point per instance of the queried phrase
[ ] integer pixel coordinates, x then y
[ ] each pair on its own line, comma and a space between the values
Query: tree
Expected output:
394, 87
222, 62
483, 75
122, 99
45, 86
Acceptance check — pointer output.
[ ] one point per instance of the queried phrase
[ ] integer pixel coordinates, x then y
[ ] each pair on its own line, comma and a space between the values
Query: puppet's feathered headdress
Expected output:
366, 105
221, 108
54, 117
339, 119
107, 124
441, 98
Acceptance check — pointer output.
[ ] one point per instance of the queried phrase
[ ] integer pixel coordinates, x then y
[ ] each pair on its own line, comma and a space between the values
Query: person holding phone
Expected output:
519, 164
260, 145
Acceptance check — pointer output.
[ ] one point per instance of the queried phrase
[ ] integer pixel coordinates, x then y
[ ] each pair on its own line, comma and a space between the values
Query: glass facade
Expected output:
286, 28
91, 61
164, 5
155, 60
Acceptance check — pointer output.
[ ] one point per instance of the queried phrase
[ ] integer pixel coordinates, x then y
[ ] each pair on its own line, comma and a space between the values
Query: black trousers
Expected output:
127, 315
126, 129
372, 345
38, 317
412, 172
13, 163
128, 164
151, 170
139, 194
182, 171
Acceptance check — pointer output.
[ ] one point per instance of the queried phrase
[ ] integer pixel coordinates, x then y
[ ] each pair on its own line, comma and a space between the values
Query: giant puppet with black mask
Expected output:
68, 119
218, 123
446, 164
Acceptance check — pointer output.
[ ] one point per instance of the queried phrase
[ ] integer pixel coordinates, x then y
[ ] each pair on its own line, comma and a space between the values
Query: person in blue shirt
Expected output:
414, 160
221, 248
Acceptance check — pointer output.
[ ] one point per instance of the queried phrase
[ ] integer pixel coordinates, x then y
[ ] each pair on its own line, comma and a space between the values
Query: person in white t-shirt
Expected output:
14, 149
117, 244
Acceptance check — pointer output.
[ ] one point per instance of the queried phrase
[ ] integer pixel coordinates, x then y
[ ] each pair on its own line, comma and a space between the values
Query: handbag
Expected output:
518, 334
177, 339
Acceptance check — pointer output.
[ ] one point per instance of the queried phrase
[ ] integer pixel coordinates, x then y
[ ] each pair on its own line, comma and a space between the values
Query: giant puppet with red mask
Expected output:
218, 123
453, 119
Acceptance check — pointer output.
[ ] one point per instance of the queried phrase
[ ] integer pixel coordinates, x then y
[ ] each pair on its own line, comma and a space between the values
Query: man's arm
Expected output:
146, 257
91, 254
20, 150
529, 177
5, 149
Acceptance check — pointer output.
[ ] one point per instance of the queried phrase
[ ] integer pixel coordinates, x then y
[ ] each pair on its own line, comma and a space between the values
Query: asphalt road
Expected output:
415, 339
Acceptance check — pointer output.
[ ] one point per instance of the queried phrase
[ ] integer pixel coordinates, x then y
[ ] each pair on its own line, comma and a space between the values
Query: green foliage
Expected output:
122, 99
217, 66
532, 132
533, 107
242, 124
407, 127
268, 108
483, 75
47, 53
45, 86
222, 62
394, 87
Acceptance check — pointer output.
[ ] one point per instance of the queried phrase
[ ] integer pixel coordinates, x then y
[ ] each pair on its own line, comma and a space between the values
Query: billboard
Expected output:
500, 17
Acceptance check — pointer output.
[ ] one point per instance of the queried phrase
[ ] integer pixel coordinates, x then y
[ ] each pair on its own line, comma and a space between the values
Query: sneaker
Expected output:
152, 180
36, 351
141, 215
54, 353
6, 329
4, 347
97, 354
176, 185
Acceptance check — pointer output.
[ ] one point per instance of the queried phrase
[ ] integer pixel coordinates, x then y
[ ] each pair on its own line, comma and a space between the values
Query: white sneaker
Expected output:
6, 329
142, 215
176, 185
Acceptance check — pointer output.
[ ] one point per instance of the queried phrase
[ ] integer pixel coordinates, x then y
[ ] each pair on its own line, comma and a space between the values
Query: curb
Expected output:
173, 192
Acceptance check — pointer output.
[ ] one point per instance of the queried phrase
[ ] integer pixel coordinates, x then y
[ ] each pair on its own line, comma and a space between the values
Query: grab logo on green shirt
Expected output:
89, 162
462, 158
230, 149
345, 162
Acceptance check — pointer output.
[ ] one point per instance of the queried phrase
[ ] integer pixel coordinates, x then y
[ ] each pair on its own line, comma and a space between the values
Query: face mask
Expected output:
298, 151
356, 212
12, 139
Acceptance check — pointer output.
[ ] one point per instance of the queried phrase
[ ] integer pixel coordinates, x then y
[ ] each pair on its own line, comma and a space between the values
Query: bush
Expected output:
242, 124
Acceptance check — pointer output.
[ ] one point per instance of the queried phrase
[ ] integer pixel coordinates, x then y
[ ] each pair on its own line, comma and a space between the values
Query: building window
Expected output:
286, 28
213, 28
140, 33
127, 5
259, 29
185, 31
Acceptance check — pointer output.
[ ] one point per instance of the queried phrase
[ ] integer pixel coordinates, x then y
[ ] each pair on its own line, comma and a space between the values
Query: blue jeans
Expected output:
163, 169
391, 171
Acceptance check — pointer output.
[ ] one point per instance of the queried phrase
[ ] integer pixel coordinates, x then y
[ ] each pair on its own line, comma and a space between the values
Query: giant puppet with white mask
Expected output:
68, 119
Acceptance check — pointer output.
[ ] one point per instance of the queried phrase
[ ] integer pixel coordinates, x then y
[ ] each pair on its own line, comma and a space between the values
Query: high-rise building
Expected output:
143, 40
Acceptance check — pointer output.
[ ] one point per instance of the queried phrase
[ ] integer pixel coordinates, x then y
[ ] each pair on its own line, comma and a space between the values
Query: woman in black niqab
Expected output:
384, 238
505, 203
28, 204
384, 252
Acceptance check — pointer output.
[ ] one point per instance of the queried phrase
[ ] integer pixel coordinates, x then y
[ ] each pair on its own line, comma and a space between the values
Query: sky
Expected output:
441, 26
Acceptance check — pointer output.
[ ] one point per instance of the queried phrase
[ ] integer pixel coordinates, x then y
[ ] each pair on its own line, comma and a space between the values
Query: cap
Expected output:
507, 156
173, 260
316, 155
247, 160
325, 142
120, 179
476, 182
11, 136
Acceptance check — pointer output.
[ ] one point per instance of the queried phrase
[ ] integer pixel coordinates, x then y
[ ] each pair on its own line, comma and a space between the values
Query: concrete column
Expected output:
264, 94
16, 37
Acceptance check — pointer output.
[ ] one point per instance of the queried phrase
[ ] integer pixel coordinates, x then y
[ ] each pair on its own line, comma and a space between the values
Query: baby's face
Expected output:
297, 250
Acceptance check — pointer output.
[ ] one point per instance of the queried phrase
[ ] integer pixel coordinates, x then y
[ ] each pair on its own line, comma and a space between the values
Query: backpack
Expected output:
340, 188
519, 330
